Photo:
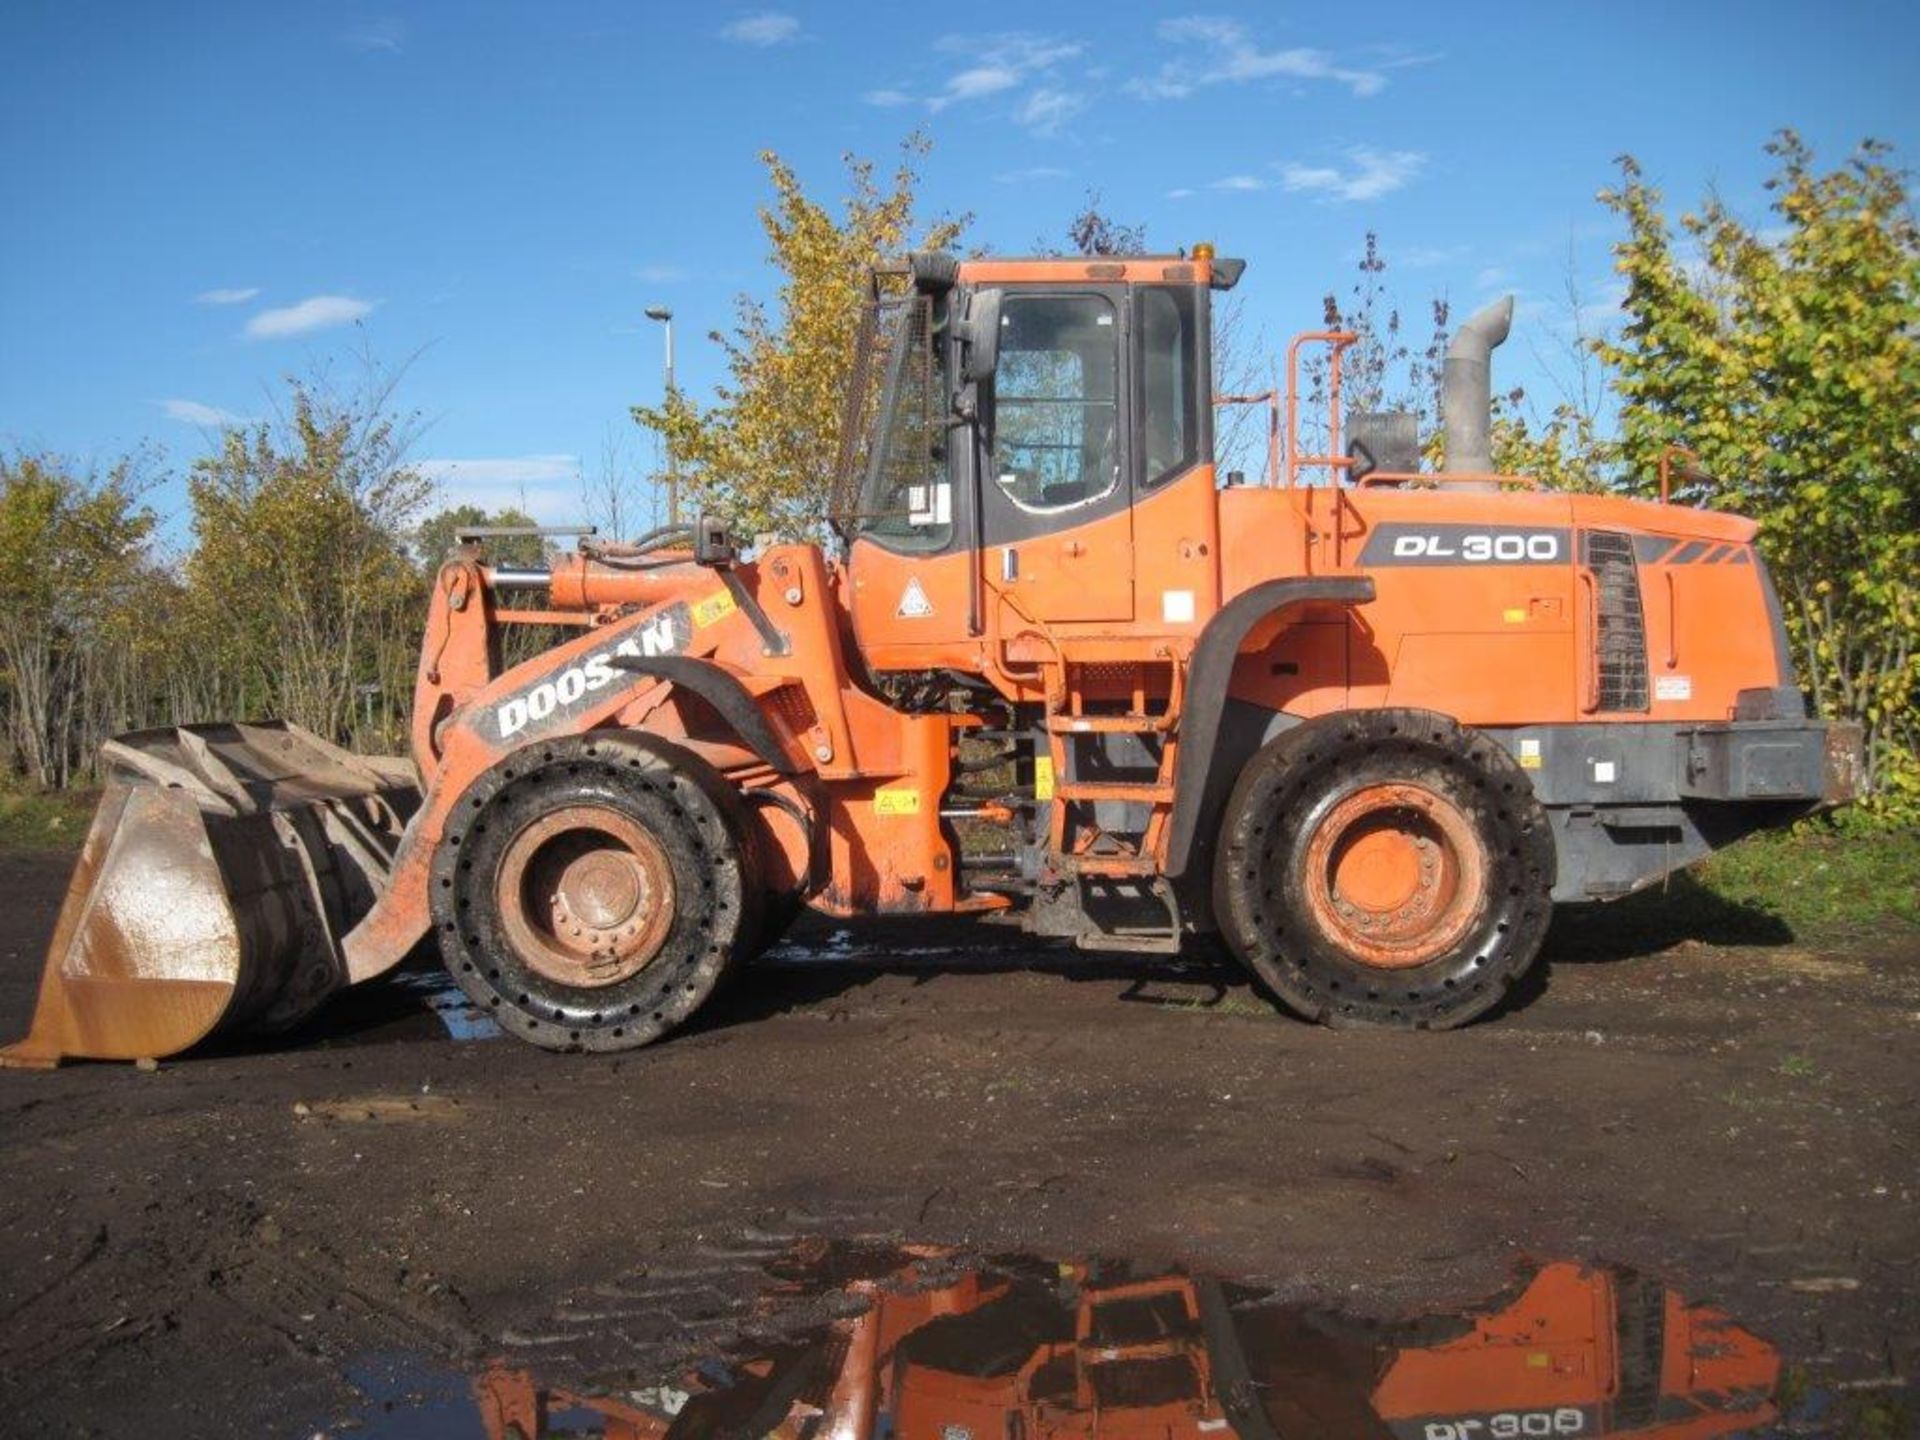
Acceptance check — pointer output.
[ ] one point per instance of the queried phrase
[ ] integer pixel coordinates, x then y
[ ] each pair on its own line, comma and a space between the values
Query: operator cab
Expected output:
1006, 418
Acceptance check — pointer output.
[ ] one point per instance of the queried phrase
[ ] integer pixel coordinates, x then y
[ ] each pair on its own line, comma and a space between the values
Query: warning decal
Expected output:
899, 801
914, 604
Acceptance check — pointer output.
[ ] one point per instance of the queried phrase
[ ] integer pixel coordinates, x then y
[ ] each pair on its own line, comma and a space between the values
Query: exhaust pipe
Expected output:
1466, 390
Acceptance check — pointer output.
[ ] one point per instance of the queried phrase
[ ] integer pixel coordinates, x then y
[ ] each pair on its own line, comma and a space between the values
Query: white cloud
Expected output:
887, 98
225, 296
971, 84
387, 34
1218, 51
1239, 182
1491, 278
662, 274
1031, 174
318, 312
1179, 194
1374, 173
995, 64
764, 28
192, 412
1046, 110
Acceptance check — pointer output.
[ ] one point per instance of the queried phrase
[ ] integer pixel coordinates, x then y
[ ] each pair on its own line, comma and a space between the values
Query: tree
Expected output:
1788, 359
764, 452
436, 536
1381, 370
74, 567
299, 581
1094, 232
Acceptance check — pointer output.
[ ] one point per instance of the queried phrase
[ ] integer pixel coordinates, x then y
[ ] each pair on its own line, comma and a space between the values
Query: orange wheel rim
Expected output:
586, 896
1395, 875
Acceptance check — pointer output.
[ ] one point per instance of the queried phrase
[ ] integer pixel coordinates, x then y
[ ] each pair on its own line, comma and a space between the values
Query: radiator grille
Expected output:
1620, 626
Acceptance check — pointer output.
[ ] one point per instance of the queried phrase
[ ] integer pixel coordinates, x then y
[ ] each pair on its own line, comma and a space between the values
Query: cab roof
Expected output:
938, 270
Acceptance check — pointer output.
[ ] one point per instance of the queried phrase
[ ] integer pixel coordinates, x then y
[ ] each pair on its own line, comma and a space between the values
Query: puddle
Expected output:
846, 1342
459, 1016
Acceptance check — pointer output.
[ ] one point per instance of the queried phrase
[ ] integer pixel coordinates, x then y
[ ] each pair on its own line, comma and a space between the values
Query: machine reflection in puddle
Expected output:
846, 1342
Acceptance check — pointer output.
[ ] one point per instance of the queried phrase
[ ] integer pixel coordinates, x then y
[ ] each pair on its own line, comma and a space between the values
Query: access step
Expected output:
1109, 724
1109, 865
1150, 793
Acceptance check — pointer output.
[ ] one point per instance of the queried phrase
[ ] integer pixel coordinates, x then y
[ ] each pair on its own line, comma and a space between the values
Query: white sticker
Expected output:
1176, 607
914, 604
1529, 754
1603, 772
1673, 687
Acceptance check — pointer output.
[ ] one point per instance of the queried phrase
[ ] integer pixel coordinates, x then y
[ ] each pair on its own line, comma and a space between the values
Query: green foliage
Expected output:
434, 539
75, 577
764, 452
1566, 450
34, 819
1788, 359
298, 579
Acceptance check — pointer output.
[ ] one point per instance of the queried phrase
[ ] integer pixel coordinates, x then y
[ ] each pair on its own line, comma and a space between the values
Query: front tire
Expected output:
591, 892
1385, 868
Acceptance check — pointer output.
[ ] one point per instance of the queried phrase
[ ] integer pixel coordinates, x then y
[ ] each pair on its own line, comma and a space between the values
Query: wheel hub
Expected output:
586, 895
1395, 874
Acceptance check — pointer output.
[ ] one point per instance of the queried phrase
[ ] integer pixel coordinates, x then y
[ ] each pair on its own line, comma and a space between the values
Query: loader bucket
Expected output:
223, 868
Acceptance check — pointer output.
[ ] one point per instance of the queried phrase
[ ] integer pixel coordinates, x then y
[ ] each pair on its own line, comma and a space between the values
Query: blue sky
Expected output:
206, 197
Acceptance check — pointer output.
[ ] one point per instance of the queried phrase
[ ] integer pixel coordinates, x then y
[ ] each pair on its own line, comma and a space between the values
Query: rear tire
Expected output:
591, 892
1385, 868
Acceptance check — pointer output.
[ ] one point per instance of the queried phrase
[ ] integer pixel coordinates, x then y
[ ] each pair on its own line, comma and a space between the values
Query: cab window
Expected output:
1056, 407
906, 500
1169, 426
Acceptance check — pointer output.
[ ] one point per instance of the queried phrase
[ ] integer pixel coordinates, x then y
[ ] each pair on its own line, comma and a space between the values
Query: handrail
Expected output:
1590, 668
1271, 399
1693, 471
1336, 342
1422, 479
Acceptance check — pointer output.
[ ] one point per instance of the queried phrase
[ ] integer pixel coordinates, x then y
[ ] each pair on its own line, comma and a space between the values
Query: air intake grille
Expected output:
1620, 628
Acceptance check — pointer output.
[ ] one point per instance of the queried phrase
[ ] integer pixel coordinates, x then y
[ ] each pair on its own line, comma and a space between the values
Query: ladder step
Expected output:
1109, 724
1110, 865
1148, 792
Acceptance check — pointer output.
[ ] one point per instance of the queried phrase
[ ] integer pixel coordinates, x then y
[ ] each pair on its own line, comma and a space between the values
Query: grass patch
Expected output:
1808, 885
1820, 881
45, 820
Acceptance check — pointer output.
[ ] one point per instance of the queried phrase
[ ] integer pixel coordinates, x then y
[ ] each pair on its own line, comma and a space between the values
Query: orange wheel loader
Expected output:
1367, 724
1080, 1352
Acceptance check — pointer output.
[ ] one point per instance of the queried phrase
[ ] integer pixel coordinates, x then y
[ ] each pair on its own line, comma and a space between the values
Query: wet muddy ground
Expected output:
335, 1235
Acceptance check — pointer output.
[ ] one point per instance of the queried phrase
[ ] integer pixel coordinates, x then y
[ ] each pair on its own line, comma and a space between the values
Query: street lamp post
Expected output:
665, 317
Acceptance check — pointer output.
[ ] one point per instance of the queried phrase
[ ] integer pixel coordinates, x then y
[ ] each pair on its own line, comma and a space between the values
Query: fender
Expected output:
1207, 676
729, 698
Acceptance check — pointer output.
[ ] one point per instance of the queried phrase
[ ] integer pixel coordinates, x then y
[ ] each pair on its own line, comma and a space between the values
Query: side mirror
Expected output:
980, 333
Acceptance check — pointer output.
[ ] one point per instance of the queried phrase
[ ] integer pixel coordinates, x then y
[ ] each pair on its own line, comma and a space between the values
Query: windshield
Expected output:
905, 497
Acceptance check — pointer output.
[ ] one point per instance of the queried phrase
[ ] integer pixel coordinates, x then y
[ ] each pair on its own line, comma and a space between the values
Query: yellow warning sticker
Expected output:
1529, 754
1043, 777
901, 801
716, 606
1515, 616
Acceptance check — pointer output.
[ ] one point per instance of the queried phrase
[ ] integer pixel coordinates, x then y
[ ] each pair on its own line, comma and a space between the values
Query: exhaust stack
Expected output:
1466, 389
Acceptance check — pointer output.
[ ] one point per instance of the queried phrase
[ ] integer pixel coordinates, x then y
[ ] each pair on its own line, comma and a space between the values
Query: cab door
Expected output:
1054, 459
